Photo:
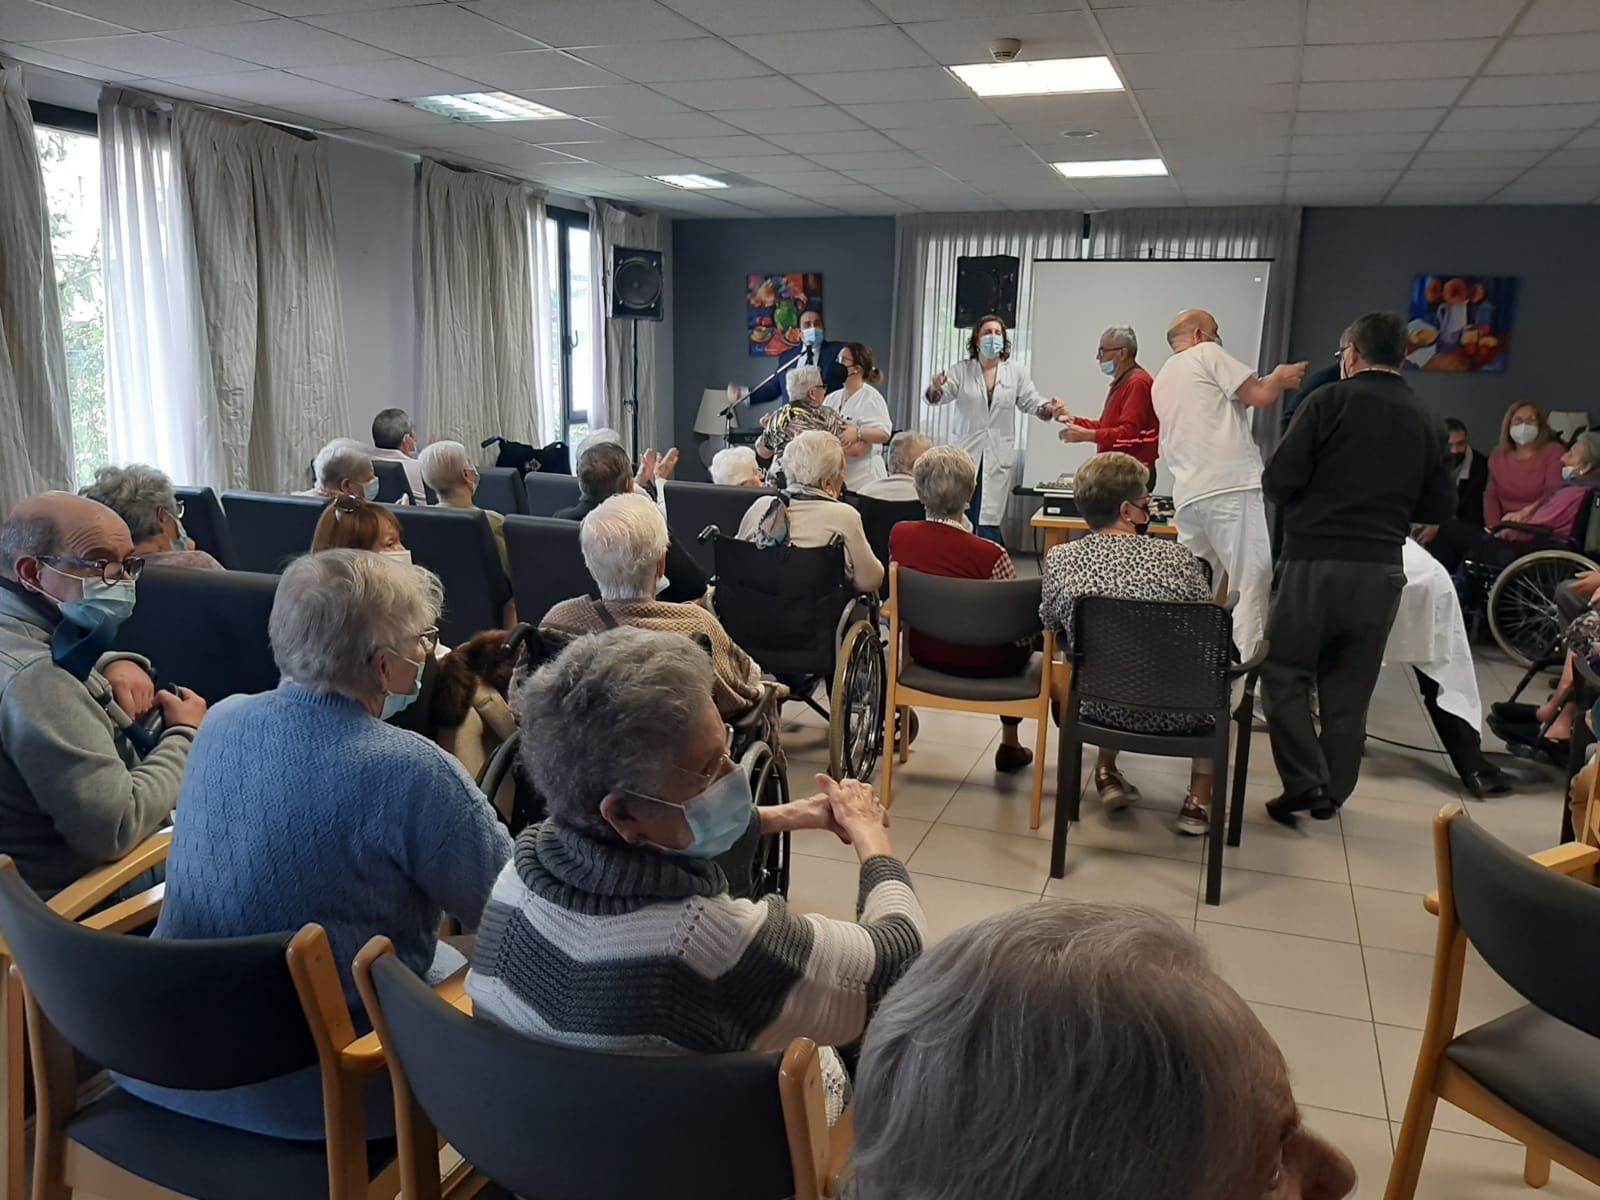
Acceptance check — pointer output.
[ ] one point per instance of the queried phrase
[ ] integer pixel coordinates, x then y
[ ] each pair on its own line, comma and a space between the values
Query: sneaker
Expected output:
1194, 818
1116, 793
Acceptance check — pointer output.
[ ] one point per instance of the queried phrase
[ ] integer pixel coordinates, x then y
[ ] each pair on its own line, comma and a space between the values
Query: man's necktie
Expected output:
810, 361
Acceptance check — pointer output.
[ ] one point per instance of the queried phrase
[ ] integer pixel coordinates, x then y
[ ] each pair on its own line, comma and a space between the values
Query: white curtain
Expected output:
269, 287
475, 306
161, 406
639, 231
35, 417
546, 332
1202, 233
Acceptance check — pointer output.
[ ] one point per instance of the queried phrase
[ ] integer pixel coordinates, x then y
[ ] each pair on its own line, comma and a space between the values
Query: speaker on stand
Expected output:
985, 286
637, 293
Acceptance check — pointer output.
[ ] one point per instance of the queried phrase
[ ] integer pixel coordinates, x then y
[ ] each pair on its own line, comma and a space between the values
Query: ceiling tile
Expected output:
1581, 88
1348, 162
777, 160
1397, 60
1378, 22
875, 47
760, 91
1466, 178
1578, 156
365, 113
693, 58
278, 43
1565, 175
982, 135
304, 8
1504, 139
894, 179
844, 142
867, 160
1355, 143
1561, 16
665, 164
1525, 191
1381, 120
1205, 125
1188, 68
153, 15
1563, 52
391, 78
817, 118
25, 21
1429, 193
1589, 137
621, 151
1352, 179
867, 87
1458, 159
566, 23
923, 114
1149, 28
728, 17
425, 31
670, 124
1393, 93
742, 145
1087, 110
1332, 197
54, 62
519, 157
1218, 97
269, 87
525, 69
1045, 35
553, 132
183, 91
146, 54
1528, 116
601, 102
791, 177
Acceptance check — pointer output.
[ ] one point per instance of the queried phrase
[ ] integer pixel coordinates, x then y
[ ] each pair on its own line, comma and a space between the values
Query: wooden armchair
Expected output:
1533, 1073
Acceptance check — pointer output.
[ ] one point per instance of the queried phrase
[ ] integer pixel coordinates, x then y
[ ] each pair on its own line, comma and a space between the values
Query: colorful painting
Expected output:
773, 312
1460, 322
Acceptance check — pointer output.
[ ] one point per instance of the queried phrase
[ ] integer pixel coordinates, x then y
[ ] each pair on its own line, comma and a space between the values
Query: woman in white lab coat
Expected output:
986, 389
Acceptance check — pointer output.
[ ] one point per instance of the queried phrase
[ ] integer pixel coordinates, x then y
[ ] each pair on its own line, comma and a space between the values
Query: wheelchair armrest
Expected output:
1524, 527
771, 696
709, 534
1253, 665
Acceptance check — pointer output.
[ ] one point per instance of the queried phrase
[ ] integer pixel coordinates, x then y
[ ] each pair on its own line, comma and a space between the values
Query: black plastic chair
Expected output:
1154, 656
270, 530
691, 507
458, 546
202, 1015
546, 564
541, 1120
878, 519
207, 524
393, 482
1533, 1073
501, 490
205, 630
549, 494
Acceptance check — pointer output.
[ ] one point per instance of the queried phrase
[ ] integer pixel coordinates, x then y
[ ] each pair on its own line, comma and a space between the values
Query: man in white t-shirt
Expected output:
1202, 400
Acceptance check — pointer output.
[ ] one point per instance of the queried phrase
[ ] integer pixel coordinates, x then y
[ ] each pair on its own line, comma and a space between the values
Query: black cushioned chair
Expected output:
457, 545
207, 524
203, 1015
1533, 1073
546, 564
1154, 656
206, 630
692, 507
549, 494
392, 480
878, 518
541, 1120
269, 530
501, 490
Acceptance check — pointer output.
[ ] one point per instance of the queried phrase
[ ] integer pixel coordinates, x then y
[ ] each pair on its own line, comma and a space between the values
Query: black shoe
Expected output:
1316, 802
1011, 758
1487, 781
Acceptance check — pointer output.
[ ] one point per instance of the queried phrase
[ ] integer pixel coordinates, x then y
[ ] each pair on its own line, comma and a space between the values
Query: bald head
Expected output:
1190, 327
59, 523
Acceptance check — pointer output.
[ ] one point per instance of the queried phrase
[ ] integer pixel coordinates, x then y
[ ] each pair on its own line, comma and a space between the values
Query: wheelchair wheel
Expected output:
855, 723
1522, 607
769, 784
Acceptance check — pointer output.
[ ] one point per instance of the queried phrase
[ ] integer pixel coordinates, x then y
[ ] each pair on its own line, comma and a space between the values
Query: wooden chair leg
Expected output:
1412, 1143
889, 722
905, 733
1039, 743
1241, 770
1535, 1169
13, 1120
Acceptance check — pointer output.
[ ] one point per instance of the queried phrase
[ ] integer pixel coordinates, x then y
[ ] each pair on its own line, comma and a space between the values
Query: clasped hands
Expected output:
847, 808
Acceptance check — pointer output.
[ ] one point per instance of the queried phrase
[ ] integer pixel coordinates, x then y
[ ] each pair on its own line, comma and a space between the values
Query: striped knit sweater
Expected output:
598, 945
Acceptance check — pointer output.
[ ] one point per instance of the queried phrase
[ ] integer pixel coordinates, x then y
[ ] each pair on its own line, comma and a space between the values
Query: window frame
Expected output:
566, 219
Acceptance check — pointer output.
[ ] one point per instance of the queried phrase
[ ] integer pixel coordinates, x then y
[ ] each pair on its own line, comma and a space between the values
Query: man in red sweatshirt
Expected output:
1128, 422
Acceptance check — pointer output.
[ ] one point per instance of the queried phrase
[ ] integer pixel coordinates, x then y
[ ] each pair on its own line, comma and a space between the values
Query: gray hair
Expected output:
1590, 441
341, 459
389, 428
604, 436
945, 478
26, 535
136, 493
1124, 336
442, 464
813, 457
1062, 1049
1105, 483
732, 465
801, 380
905, 448
334, 610
623, 539
610, 714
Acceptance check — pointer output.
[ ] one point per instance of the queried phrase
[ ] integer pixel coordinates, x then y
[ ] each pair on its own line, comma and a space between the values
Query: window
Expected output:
70, 158
572, 331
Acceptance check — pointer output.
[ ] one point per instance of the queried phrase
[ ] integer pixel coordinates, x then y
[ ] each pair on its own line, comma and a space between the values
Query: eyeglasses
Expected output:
1339, 353
110, 572
175, 510
429, 638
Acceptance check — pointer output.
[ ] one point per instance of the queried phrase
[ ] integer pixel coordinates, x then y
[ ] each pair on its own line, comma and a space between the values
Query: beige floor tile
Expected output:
905, 834
1005, 808
1399, 866
1333, 1061
1285, 904
980, 856
1365, 1141
824, 886
1311, 850
937, 727
1106, 876
1289, 971
1136, 830
1397, 1053
1400, 982
950, 904
1393, 819
1394, 921
1458, 1167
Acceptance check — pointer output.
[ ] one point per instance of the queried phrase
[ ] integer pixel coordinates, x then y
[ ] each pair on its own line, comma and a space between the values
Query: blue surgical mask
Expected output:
992, 345
369, 489
1108, 368
88, 627
717, 817
395, 703
1569, 473
812, 335
183, 541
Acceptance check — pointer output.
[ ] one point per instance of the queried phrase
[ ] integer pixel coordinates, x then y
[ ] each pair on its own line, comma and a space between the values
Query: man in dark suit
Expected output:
812, 351
1471, 472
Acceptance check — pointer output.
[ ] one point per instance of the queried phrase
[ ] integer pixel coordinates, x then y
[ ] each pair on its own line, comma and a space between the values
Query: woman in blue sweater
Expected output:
301, 805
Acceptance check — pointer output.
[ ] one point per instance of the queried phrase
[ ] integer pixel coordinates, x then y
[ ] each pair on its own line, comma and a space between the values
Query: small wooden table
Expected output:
1057, 529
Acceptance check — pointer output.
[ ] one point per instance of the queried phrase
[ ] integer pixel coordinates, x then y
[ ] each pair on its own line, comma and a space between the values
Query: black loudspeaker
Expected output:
636, 283
986, 286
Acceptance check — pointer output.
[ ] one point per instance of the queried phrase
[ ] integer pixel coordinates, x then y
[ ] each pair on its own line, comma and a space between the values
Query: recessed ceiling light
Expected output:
487, 106
1111, 168
1080, 135
693, 183
1048, 76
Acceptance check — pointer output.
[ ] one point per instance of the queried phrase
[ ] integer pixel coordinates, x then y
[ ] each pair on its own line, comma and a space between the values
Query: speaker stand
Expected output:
631, 403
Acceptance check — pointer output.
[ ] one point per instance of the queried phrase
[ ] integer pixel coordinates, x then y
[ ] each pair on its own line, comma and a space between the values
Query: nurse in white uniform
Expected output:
986, 389
866, 417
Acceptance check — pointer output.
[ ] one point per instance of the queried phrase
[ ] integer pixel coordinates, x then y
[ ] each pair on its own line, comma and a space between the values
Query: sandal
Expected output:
1116, 793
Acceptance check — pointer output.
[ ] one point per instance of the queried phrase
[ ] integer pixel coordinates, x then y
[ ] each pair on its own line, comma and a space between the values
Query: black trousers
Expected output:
1460, 740
1327, 630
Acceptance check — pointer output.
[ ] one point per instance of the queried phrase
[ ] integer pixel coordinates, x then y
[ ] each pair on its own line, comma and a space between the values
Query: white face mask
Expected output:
1524, 434
400, 555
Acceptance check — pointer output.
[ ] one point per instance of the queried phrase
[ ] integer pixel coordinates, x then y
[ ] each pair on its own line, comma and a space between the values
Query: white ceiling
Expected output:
827, 107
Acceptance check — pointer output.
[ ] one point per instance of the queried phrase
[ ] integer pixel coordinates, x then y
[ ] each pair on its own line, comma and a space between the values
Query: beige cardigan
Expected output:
812, 523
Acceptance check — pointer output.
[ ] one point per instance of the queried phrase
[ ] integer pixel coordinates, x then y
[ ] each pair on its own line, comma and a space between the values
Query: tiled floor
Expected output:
1322, 929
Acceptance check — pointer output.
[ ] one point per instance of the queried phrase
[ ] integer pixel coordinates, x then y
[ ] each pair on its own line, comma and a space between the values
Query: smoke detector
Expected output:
1004, 49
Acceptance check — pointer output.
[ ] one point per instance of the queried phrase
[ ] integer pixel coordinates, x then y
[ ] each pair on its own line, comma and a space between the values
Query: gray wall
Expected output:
710, 261
1355, 260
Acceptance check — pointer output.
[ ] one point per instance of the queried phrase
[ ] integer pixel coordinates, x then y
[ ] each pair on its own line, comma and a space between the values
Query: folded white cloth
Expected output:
1430, 634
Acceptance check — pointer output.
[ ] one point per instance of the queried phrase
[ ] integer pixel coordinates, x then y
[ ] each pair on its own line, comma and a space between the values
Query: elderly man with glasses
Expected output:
75, 791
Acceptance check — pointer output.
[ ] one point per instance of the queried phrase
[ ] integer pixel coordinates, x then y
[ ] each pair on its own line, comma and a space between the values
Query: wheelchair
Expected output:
793, 610
1518, 598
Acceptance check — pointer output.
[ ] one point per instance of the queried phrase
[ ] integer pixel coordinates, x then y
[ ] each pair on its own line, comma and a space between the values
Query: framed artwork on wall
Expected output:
773, 309
1460, 322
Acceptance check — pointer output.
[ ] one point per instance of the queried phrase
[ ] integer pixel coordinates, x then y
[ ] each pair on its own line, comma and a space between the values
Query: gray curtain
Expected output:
262, 209
35, 416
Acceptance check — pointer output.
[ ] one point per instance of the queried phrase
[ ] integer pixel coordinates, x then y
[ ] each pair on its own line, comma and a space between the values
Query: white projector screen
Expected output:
1073, 303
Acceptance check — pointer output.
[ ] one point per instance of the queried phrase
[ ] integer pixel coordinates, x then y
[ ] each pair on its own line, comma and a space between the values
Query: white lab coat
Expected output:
988, 431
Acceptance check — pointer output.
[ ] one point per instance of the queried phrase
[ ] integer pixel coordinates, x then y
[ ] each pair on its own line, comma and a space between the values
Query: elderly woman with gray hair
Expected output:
804, 411
612, 927
143, 497
301, 804
1082, 1051
343, 468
